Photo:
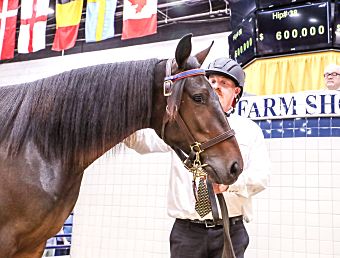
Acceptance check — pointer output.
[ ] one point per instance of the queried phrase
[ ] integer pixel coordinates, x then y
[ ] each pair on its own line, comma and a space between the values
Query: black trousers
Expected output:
191, 240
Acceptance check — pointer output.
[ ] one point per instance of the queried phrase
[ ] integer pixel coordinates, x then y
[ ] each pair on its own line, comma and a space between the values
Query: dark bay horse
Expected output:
52, 129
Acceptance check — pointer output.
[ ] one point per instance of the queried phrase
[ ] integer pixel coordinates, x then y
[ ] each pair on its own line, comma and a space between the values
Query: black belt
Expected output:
209, 223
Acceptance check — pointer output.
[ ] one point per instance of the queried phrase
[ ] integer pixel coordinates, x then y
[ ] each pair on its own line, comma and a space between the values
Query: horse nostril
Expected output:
235, 169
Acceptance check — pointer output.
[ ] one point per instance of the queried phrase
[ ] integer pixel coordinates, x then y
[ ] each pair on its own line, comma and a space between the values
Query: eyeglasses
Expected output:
334, 74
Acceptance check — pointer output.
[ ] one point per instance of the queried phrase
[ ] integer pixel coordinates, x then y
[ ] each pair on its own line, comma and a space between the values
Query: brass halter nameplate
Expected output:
167, 88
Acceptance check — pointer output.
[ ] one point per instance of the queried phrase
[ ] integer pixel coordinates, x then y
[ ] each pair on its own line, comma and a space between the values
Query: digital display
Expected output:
336, 25
294, 28
275, 3
239, 9
242, 41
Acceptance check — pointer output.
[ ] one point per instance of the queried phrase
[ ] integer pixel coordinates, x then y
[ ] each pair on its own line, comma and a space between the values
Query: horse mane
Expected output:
77, 109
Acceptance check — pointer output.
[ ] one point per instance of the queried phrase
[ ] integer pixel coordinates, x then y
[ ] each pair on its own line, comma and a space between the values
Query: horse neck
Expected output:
124, 118
88, 119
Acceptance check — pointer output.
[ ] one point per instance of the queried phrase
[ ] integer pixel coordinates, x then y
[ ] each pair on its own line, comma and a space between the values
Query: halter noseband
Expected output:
193, 162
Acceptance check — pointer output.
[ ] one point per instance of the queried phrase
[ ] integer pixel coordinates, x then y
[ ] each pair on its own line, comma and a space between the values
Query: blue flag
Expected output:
100, 16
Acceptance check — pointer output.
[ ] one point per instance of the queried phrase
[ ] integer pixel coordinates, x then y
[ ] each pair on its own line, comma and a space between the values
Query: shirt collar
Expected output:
229, 112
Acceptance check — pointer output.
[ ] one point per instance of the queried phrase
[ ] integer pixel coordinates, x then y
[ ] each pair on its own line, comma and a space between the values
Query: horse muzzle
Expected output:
221, 174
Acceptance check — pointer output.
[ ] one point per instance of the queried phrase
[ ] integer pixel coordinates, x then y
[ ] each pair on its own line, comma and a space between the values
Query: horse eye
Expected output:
198, 98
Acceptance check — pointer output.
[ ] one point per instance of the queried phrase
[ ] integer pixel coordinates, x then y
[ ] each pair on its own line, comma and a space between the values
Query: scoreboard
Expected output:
294, 28
279, 27
242, 41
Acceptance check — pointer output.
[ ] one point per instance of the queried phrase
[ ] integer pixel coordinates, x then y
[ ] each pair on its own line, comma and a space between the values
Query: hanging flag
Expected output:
32, 25
68, 14
99, 23
139, 18
8, 20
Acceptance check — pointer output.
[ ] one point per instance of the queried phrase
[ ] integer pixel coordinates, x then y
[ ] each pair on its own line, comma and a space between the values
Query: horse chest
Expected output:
36, 197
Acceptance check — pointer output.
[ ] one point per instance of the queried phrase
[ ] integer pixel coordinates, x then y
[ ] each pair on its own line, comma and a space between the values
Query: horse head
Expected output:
192, 119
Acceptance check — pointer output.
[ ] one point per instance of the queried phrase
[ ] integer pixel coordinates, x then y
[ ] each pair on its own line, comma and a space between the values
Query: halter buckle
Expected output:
196, 147
167, 87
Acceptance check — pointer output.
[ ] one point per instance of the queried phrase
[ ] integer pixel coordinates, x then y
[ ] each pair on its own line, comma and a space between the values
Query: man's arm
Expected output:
255, 175
146, 141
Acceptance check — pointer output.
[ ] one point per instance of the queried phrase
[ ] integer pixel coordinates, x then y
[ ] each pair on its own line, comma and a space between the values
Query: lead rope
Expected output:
214, 209
228, 250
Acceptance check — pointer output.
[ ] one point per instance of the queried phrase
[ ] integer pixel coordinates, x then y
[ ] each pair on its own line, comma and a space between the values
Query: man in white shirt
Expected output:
193, 236
332, 77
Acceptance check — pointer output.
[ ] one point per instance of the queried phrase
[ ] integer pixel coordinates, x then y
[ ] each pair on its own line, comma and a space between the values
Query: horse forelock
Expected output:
74, 110
174, 100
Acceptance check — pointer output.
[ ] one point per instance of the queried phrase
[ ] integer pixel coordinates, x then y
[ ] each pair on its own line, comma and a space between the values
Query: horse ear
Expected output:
183, 50
203, 54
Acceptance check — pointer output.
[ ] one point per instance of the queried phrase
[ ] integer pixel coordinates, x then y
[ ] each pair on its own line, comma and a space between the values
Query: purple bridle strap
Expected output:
185, 74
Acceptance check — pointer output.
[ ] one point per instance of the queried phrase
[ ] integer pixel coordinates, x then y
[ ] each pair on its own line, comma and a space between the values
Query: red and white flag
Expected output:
8, 20
139, 18
32, 25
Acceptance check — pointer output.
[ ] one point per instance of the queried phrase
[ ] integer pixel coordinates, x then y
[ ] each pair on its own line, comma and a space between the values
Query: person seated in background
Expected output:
332, 77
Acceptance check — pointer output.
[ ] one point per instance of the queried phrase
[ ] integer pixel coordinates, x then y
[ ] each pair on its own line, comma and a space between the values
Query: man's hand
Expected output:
219, 188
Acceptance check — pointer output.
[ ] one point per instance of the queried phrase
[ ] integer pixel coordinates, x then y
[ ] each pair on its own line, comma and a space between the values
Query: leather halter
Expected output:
171, 81
196, 148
